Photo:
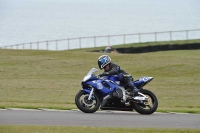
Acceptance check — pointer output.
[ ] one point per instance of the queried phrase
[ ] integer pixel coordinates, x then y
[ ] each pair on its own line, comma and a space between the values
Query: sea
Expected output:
52, 24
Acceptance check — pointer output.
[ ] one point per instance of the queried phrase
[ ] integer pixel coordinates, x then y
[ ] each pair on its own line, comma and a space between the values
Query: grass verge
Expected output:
51, 79
66, 129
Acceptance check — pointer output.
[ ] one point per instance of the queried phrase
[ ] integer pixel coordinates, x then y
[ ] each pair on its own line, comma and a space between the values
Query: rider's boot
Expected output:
133, 92
132, 88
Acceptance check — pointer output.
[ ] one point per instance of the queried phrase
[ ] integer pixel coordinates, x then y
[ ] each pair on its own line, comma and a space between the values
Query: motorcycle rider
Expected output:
110, 68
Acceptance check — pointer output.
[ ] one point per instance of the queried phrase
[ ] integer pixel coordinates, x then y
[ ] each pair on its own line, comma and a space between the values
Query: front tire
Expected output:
148, 107
87, 106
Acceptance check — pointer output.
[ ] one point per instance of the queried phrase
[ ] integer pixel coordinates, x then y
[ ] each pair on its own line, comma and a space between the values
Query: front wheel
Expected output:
148, 107
85, 105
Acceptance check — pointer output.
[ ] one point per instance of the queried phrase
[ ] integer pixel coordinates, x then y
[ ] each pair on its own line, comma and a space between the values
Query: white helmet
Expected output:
103, 61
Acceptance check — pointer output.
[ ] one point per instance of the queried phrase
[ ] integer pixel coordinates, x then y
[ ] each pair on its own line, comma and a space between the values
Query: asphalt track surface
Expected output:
98, 119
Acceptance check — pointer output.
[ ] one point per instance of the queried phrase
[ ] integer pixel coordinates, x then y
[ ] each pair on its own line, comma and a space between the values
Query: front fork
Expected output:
91, 93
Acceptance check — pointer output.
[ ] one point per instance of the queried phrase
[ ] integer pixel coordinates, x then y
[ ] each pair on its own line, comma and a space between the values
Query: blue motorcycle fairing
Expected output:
99, 84
100, 88
142, 81
138, 83
114, 78
108, 84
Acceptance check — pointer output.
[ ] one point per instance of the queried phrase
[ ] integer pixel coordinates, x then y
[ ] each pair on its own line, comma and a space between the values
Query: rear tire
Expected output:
84, 105
150, 106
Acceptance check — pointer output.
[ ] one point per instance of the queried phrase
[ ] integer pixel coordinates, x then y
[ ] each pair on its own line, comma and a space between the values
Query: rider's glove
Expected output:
103, 74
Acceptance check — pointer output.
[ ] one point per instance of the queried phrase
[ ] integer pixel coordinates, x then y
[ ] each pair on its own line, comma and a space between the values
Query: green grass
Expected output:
51, 79
62, 129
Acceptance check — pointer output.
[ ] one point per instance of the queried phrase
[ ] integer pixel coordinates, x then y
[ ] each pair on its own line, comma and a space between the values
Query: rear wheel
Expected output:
85, 105
149, 106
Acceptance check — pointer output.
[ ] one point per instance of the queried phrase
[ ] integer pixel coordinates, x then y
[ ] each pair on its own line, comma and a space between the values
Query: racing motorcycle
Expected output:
107, 93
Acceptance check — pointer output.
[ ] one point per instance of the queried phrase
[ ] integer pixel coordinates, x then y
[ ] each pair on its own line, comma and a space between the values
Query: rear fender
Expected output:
142, 81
